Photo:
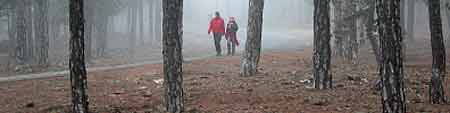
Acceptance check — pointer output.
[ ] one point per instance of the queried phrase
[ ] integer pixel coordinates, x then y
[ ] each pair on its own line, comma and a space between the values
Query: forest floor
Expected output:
213, 85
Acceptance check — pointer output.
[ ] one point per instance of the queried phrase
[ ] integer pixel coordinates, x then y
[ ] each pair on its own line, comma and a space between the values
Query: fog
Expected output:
129, 31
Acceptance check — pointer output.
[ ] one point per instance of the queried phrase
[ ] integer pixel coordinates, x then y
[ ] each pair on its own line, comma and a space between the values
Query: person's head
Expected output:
232, 19
217, 14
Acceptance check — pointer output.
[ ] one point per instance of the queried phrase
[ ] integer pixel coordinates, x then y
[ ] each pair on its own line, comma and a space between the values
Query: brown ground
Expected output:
214, 86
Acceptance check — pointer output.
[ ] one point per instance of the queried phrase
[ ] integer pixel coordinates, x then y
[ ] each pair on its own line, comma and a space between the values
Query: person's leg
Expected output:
233, 48
217, 38
229, 44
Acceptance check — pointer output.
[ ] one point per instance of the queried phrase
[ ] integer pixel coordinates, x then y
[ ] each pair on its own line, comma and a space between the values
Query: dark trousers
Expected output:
217, 39
231, 47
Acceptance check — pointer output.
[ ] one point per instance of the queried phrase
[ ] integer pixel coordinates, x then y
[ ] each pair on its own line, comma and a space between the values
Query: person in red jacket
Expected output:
217, 28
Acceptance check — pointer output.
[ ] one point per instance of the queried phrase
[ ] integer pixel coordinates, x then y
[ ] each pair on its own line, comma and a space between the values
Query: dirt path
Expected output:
195, 48
214, 86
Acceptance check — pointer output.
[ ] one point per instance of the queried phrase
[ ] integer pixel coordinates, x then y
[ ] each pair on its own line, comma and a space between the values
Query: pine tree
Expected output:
391, 68
438, 50
251, 55
172, 55
42, 40
322, 50
78, 78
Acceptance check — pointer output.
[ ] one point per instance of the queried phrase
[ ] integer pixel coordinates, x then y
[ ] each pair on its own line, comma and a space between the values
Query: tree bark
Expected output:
78, 78
322, 50
172, 55
251, 55
42, 40
438, 50
391, 68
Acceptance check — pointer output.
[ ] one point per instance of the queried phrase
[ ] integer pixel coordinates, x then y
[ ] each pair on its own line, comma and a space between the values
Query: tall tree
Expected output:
132, 24
21, 31
370, 26
250, 57
141, 21
41, 27
12, 33
89, 28
391, 68
352, 50
438, 50
29, 40
322, 50
78, 78
410, 21
172, 55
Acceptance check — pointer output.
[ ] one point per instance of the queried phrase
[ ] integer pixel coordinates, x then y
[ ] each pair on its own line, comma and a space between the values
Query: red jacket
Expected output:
217, 25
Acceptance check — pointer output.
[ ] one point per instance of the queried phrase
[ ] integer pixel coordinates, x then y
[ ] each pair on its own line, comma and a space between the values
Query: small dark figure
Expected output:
230, 35
217, 27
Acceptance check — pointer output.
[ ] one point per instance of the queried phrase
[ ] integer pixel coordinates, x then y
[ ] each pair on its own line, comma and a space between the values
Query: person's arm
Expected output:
210, 26
237, 26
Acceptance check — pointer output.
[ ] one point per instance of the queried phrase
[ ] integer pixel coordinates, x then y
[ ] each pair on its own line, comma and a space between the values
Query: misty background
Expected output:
129, 31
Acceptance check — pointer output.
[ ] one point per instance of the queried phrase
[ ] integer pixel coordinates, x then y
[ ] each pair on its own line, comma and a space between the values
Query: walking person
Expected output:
217, 28
231, 36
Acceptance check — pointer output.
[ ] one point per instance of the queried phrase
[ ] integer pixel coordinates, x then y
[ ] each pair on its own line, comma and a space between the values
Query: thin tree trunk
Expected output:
133, 29
157, 23
448, 22
438, 49
29, 47
411, 19
391, 68
12, 35
353, 33
20, 42
172, 55
78, 78
250, 58
151, 20
322, 50
141, 22
370, 30
41, 28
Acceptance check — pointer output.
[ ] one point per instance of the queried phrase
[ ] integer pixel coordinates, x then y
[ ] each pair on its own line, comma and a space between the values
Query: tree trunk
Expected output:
411, 19
448, 22
438, 49
322, 50
353, 33
391, 68
29, 47
101, 41
12, 35
141, 21
250, 58
21, 37
151, 16
133, 30
41, 28
338, 31
78, 78
158, 23
370, 30
172, 55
